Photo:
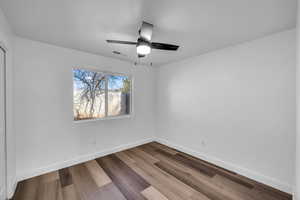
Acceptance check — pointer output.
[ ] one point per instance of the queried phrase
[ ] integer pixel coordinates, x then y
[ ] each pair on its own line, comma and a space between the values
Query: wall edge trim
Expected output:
285, 187
79, 159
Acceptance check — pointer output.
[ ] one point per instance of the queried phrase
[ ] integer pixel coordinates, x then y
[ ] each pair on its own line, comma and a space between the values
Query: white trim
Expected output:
4, 50
102, 119
80, 159
12, 189
232, 167
2, 193
3, 46
106, 73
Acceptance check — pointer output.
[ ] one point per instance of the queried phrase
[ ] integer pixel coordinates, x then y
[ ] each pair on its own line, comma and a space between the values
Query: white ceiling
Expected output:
198, 26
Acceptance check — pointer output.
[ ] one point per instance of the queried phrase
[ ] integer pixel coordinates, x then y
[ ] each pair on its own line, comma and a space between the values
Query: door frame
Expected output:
4, 49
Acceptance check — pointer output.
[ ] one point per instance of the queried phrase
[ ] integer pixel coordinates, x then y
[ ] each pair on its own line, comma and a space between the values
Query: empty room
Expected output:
149, 100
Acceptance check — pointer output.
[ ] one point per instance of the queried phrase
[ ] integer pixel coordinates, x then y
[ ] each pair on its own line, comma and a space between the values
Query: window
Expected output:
98, 95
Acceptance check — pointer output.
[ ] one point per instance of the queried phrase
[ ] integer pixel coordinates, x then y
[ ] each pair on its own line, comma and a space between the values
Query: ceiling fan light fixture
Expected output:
143, 48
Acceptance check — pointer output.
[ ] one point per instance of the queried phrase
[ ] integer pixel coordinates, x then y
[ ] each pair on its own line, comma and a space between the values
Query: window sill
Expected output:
103, 119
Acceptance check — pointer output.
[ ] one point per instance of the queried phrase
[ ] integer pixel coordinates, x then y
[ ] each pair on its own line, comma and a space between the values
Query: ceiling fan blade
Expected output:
162, 46
146, 31
121, 42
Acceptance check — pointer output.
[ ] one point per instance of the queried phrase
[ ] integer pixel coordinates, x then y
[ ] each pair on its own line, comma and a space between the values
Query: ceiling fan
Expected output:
144, 44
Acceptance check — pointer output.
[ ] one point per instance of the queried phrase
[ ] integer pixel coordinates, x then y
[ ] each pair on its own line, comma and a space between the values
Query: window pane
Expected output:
119, 93
88, 94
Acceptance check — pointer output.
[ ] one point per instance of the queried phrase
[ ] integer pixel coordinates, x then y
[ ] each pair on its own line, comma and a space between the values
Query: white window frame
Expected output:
106, 73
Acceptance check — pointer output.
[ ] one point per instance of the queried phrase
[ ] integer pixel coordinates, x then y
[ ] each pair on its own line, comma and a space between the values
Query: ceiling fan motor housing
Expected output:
142, 41
143, 47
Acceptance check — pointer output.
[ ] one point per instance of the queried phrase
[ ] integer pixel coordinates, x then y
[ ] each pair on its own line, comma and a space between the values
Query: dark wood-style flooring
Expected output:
151, 171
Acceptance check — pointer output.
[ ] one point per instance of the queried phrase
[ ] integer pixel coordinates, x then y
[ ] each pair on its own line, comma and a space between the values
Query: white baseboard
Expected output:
232, 167
2, 193
80, 159
11, 189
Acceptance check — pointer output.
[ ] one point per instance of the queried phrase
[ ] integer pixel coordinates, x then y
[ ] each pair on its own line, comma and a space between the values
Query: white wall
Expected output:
6, 39
235, 107
297, 168
47, 137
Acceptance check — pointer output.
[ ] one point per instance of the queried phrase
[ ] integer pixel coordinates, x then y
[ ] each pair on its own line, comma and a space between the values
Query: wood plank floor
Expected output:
151, 171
